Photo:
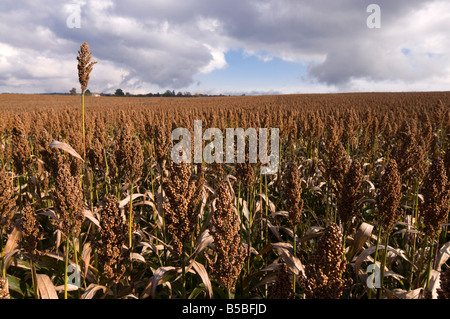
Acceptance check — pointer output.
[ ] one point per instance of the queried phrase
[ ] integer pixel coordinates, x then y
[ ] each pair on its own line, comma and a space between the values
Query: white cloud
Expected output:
146, 45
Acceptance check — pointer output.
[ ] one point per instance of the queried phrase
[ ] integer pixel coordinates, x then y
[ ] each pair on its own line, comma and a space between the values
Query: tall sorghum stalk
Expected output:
129, 158
7, 202
224, 228
84, 69
435, 206
68, 201
31, 235
294, 203
113, 234
388, 200
348, 198
323, 277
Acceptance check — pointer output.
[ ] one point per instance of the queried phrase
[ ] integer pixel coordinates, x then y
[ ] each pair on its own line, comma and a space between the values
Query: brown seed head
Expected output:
293, 192
283, 287
323, 278
113, 234
179, 212
389, 196
7, 199
68, 199
347, 204
31, 234
435, 206
84, 66
224, 228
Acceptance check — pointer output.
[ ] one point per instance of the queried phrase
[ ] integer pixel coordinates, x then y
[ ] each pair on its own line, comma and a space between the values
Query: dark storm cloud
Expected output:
165, 43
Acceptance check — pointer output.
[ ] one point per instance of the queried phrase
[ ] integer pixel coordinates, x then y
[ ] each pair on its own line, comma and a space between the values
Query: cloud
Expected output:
156, 45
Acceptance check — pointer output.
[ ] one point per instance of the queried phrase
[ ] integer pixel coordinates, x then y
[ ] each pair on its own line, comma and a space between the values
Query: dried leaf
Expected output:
46, 288
70, 287
268, 202
88, 214
50, 213
434, 283
91, 290
286, 251
363, 233
86, 257
367, 252
203, 241
443, 255
126, 200
201, 271
65, 147
137, 257
311, 233
158, 278
13, 240
403, 294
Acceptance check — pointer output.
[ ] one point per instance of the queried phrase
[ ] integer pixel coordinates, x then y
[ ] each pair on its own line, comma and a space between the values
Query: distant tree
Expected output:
73, 91
128, 94
179, 94
187, 94
119, 92
169, 93
88, 93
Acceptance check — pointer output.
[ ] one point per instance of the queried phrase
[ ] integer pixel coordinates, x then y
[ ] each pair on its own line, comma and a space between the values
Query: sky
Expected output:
226, 46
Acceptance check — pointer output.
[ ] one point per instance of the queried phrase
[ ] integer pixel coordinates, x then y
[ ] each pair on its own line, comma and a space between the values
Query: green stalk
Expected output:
76, 262
183, 275
295, 252
375, 257
2, 254
383, 264
34, 279
422, 257
84, 131
130, 221
429, 267
65, 269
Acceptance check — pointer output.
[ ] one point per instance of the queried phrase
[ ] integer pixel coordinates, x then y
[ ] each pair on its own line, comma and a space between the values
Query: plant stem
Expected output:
65, 269
295, 253
376, 256
34, 279
76, 262
383, 264
82, 119
183, 274
130, 221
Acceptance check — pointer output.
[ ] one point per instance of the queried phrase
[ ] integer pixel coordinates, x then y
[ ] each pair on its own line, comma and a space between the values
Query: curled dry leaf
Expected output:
312, 232
46, 288
158, 277
50, 213
204, 240
268, 202
286, 251
13, 241
89, 215
201, 271
65, 147
126, 200
403, 294
363, 233
70, 287
92, 290
365, 254
443, 255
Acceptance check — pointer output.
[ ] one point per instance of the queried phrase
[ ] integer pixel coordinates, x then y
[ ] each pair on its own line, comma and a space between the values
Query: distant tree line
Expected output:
168, 93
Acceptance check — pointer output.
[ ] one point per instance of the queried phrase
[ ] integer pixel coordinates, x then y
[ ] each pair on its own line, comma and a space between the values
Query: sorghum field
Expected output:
358, 208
